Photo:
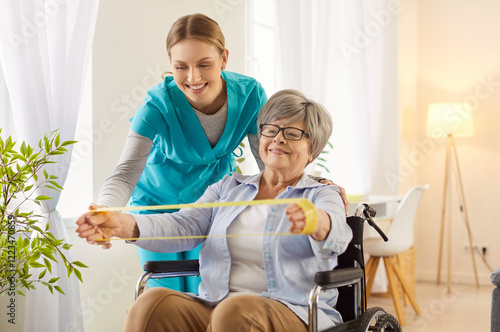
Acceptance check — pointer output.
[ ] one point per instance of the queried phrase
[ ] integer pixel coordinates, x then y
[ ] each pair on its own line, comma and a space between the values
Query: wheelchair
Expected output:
348, 277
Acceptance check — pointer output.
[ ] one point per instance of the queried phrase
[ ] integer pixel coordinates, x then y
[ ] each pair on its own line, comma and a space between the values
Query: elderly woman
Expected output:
248, 283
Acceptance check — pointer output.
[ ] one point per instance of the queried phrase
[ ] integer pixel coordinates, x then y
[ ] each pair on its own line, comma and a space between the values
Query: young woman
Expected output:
183, 136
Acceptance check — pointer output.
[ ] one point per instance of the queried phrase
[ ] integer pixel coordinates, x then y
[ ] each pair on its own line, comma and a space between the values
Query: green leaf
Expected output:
24, 283
53, 280
70, 269
50, 289
48, 265
36, 228
68, 143
29, 151
59, 289
48, 254
47, 145
45, 174
57, 140
42, 198
7, 143
36, 264
35, 255
326, 168
55, 184
42, 274
78, 275
79, 264
67, 246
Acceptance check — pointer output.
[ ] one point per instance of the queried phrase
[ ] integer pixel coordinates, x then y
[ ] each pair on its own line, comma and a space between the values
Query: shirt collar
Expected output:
304, 182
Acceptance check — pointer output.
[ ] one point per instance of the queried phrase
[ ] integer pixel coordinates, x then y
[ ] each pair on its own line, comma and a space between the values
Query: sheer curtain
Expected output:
363, 83
303, 35
44, 51
319, 54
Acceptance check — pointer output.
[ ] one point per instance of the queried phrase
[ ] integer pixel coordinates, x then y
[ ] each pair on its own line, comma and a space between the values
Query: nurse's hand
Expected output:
343, 194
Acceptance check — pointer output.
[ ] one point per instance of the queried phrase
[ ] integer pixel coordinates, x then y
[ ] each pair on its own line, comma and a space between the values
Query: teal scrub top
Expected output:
182, 164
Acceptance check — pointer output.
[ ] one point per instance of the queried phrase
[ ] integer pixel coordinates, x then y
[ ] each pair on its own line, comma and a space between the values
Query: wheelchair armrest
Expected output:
344, 276
172, 266
166, 269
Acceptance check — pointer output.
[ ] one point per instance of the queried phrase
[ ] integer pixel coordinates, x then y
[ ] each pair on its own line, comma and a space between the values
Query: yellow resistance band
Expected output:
306, 205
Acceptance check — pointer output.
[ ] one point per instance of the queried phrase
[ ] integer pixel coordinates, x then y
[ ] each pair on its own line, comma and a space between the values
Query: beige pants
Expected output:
161, 309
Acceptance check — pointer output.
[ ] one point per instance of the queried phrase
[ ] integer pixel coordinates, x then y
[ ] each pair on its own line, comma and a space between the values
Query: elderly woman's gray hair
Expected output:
294, 106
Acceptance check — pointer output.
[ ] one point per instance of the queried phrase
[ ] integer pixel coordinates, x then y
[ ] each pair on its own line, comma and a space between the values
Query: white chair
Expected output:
400, 236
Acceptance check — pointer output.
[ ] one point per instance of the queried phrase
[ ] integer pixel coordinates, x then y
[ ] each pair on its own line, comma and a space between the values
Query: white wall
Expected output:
449, 52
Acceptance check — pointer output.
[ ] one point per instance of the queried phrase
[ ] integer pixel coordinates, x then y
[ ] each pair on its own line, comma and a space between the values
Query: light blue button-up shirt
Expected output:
290, 261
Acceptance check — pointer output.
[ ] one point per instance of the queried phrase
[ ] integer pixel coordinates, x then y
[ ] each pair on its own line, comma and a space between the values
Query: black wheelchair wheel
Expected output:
377, 319
387, 323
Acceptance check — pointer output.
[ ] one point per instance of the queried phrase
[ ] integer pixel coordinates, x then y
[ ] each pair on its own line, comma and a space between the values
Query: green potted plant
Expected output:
24, 245
321, 161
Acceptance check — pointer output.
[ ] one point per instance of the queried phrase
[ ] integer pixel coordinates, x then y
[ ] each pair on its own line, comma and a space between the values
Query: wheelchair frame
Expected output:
348, 277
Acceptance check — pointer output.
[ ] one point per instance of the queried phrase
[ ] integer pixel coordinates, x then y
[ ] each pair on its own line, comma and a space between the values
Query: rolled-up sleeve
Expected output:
329, 200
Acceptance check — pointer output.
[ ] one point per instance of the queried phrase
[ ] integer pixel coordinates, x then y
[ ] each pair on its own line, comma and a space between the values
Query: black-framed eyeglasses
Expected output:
289, 133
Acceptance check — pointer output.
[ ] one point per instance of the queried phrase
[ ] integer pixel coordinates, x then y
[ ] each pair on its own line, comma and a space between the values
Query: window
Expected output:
302, 45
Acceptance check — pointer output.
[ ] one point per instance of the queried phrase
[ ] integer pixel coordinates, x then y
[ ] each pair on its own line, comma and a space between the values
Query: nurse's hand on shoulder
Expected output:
297, 218
98, 226
343, 194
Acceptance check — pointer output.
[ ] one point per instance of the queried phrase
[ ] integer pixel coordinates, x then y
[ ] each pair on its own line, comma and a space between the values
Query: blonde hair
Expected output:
196, 26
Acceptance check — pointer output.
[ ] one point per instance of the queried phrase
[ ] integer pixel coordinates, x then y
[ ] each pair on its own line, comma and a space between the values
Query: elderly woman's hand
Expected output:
96, 226
298, 219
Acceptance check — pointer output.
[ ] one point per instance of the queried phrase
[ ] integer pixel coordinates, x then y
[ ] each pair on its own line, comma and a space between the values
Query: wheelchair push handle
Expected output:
368, 212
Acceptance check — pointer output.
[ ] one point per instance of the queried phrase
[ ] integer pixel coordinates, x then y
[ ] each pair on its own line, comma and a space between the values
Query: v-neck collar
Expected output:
191, 124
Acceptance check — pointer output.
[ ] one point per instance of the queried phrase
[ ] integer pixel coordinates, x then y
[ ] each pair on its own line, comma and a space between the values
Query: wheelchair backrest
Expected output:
353, 256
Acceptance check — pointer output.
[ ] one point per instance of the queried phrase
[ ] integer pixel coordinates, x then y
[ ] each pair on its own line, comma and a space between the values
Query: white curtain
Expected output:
44, 51
6, 121
315, 58
303, 35
363, 82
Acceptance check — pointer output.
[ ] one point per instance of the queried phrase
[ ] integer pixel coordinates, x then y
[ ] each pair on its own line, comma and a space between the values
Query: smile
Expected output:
278, 151
196, 88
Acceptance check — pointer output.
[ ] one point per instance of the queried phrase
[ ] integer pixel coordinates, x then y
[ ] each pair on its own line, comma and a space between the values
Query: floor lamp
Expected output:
451, 120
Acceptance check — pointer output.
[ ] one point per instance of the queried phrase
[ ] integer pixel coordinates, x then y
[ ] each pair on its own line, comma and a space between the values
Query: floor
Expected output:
465, 308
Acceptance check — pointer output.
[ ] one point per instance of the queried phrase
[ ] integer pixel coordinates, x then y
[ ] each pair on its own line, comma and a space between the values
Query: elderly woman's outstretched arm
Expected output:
97, 226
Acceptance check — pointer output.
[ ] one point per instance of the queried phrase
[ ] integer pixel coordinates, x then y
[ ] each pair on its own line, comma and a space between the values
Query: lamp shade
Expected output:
450, 118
